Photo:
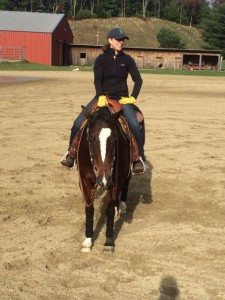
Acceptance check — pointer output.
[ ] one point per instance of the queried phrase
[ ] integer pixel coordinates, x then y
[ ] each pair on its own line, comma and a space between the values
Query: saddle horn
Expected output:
116, 115
86, 112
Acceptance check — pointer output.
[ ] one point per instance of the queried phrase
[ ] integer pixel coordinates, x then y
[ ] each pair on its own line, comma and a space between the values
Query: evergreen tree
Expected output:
4, 4
107, 8
185, 12
214, 28
171, 12
168, 38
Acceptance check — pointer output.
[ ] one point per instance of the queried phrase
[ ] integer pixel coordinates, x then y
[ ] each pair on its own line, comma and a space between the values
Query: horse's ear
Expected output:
116, 115
86, 113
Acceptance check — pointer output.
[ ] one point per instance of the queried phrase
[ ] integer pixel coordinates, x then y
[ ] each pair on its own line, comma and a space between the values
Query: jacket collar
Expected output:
112, 52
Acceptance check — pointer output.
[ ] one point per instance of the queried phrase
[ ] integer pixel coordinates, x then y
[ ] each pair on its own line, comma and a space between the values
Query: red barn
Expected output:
37, 37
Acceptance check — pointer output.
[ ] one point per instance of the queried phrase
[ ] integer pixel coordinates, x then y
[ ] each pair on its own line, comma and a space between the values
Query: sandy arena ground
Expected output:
169, 246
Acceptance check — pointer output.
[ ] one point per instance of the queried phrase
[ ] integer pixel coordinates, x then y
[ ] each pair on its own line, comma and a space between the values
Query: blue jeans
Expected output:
128, 112
77, 123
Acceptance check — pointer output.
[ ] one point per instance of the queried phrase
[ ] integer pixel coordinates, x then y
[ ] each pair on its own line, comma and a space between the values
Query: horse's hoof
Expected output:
87, 245
86, 249
109, 249
109, 245
122, 208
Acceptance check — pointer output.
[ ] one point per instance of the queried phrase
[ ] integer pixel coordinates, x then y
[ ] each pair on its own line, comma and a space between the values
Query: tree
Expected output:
185, 12
73, 8
4, 4
144, 7
216, 3
214, 28
84, 14
92, 4
106, 8
192, 8
171, 12
169, 39
58, 6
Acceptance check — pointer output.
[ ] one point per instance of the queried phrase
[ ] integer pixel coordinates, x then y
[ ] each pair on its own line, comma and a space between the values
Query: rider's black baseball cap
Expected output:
117, 33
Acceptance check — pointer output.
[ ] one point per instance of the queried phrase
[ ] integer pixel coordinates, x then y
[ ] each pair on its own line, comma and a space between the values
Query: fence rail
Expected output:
12, 53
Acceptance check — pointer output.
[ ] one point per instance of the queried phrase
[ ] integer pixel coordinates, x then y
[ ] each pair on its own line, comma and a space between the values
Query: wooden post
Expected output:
200, 62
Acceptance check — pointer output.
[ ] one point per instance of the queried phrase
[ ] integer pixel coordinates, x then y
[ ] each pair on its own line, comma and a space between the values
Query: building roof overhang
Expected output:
152, 49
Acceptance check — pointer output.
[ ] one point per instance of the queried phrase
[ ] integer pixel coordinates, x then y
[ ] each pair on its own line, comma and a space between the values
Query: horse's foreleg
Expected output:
89, 213
123, 197
110, 214
124, 192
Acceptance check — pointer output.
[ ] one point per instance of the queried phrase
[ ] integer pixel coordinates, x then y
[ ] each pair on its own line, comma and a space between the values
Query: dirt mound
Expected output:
142, 33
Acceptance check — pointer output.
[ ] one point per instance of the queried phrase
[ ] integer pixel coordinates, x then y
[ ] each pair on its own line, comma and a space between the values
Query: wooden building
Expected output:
191, 59
36, 37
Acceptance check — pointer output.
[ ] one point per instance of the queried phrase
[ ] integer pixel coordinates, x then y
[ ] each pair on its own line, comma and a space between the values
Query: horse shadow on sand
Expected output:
139, 192
169, 289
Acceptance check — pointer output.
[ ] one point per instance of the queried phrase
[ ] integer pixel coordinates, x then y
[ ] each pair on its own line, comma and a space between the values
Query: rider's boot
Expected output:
67, 160
139, 166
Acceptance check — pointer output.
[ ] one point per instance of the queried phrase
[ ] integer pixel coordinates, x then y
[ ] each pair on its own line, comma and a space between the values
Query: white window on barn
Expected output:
83, 58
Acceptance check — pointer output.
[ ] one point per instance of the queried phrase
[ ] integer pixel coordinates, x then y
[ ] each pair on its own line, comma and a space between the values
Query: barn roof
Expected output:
29, 21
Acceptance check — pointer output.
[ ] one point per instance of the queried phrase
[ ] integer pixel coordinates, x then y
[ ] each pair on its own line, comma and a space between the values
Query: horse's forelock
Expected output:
102, 114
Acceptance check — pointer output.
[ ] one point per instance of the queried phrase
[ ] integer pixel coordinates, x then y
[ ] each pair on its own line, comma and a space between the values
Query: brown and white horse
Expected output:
103, 160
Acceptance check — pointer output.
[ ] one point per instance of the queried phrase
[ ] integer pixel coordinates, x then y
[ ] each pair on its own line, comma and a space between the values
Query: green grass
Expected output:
223, 65
37, 67
183, 72
20, 66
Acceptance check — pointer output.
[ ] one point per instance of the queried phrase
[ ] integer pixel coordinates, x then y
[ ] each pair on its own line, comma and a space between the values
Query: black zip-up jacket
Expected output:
111, 72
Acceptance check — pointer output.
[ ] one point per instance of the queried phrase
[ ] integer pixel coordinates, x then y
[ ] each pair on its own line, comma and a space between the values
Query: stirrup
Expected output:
67, 161
144, 167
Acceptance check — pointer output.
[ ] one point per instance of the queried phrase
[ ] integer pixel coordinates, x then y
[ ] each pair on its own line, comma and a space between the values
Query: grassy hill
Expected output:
142, 33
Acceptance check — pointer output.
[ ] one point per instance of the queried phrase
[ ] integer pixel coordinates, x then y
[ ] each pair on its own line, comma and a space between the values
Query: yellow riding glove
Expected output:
102, 101
127, 100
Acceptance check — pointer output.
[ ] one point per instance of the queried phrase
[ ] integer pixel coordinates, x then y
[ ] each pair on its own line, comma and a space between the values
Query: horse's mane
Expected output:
102, 114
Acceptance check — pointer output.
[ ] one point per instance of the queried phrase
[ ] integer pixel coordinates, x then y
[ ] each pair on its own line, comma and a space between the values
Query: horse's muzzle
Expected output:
105, 181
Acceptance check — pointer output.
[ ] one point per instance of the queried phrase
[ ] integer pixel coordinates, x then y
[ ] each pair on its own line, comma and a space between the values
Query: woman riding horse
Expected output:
111, 70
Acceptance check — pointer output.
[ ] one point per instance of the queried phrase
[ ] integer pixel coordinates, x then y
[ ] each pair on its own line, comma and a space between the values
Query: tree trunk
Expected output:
181, 12
82, 4
192, 13
144, 7
74, 8
123, 7
92, 7
191, 19
159, 8
31, 5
